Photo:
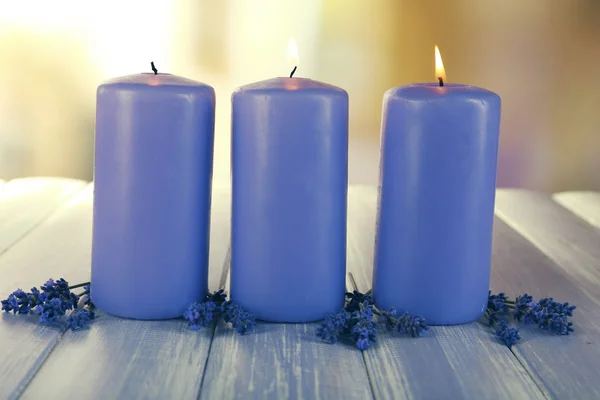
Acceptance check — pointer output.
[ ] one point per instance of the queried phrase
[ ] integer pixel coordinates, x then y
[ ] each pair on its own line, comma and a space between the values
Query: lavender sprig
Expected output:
407, 323
215, 306
356, 322
79, 319
510, 336
200, 315
52, 302
241, 320
334, 326
20, 302
507, 335
546, 313
361, 326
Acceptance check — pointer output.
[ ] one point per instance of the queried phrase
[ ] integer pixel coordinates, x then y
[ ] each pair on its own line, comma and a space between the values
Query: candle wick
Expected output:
441, 81
153, 67
294, 70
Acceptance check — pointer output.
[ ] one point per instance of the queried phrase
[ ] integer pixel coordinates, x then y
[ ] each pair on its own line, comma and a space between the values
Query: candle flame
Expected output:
439, 65
292, 52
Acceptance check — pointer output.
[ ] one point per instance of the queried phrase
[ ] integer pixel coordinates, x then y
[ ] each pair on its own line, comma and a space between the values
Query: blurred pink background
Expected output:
541, 56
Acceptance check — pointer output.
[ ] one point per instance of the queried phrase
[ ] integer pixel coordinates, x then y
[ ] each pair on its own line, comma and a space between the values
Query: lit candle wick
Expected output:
441, 81
294, 70
153, 67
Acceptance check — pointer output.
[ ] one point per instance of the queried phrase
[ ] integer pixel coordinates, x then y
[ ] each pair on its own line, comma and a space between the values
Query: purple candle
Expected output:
289, 185
152, 175
436, 200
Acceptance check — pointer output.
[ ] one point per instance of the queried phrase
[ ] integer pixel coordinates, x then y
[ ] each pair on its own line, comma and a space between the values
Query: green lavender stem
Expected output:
79, 285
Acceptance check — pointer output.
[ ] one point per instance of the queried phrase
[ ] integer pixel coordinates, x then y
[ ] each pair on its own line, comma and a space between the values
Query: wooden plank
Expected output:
120, 358
282, 361
26, 202
565, 366
585, 205
451, 362
24, 344
569, 241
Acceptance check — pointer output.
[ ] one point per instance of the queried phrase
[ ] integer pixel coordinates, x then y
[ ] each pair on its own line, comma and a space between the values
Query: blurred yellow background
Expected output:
541, 56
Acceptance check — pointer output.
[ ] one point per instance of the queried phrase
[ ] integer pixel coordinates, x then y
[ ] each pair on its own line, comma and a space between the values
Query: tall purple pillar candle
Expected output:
289, 187
152, 176
436, 201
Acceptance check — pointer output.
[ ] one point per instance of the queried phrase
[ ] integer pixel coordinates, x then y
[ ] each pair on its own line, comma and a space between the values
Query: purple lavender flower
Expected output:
364, 333
52, 289
414, 325
50, 310
79, 319
333, 326
355, 321
219, 298
558, 324
360, 325
59, 289
357, 298
21, 302
215, 306
51, 303
408, 323
34, 297
553, 316
200, 315
510, 336
552, 306
497, 302
362, 328
10, 304
13, 302
85, 296
524, 308
241, 320
547, 314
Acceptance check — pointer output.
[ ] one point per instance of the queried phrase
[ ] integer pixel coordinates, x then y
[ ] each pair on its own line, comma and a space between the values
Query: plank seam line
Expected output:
538, 383
579, 217
45, 218
31, 374
222, 281
530, 238
363, 356
34, 371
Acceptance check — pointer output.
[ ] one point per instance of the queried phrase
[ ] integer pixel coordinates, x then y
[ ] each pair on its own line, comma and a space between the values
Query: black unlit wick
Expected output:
441, 81
153, 67
294, 70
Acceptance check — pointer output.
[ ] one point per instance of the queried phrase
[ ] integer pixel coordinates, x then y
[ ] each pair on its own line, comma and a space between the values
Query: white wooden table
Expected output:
544, 245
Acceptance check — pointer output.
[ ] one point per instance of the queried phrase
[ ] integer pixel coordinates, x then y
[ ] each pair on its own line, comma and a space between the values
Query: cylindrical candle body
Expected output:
289, 186
152, 177
436, 201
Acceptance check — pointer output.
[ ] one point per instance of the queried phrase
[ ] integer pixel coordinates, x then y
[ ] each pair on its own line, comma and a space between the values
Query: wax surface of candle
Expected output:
436, 201
153, 174
289, 177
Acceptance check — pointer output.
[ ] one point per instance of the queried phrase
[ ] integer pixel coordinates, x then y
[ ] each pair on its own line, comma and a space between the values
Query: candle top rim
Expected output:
436, 84
429, 90
160, 80
286, 84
